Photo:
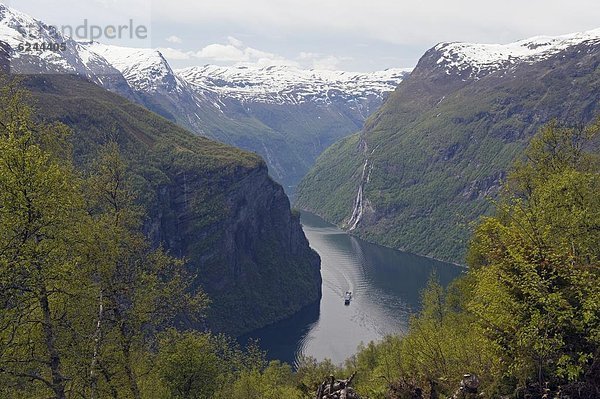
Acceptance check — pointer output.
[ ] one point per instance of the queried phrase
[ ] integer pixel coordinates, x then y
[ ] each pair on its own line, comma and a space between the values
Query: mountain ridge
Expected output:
289, 119
285, 84
481, 59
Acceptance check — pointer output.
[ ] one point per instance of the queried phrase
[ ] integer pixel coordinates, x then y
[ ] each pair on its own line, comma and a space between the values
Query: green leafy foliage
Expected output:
82, 292
536, 264
41, 214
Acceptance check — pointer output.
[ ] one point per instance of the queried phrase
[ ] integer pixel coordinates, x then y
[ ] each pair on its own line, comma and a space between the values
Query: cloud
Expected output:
174, 39
320, 61
235, 42
236, 52
175, 54
222, 52
232, 52
330, 62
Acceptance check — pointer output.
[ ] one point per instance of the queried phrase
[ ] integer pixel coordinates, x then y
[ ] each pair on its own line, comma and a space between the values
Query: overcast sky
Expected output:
356, 35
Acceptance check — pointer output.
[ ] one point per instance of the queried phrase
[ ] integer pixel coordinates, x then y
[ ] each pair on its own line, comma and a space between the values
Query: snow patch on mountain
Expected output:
144, 69
289, 85
481, 59
17, 28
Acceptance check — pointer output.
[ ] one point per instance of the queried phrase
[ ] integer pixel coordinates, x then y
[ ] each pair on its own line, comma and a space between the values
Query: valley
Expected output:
268, 224
386, 288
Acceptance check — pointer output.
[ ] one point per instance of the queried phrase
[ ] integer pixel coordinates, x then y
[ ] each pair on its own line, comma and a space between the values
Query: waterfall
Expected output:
358, 203
357, 212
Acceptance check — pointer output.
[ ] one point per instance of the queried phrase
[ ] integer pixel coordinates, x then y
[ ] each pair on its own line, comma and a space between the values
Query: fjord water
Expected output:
385, 284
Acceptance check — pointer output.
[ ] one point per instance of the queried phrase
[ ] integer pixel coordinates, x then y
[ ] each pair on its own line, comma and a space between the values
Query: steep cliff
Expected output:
251, 253
210, 203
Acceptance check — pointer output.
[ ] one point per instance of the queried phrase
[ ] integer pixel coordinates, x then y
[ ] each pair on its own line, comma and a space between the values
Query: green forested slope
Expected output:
525, 318
440, 146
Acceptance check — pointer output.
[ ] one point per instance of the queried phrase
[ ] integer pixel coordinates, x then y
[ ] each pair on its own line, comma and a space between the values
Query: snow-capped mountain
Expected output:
155, 85
287, 115
481, 59
145, 69
289, 85
19, 29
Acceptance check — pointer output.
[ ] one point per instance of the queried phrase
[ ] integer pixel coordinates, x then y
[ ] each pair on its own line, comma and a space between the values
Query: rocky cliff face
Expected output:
249, 250
208, 202
425, 164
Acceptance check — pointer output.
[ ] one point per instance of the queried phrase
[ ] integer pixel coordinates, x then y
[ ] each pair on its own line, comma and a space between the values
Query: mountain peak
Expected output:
145, 69
482, 59
17, 28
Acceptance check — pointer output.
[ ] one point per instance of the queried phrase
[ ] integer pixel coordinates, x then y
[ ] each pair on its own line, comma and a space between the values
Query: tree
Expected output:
40, 220
83, 294
536, 264
274, 382
140, 290
189, 365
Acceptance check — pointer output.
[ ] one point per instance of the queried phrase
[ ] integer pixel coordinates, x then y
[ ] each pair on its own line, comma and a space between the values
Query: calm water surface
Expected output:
385, 284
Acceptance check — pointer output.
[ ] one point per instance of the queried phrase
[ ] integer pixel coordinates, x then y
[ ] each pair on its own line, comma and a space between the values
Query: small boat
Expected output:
347, 298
